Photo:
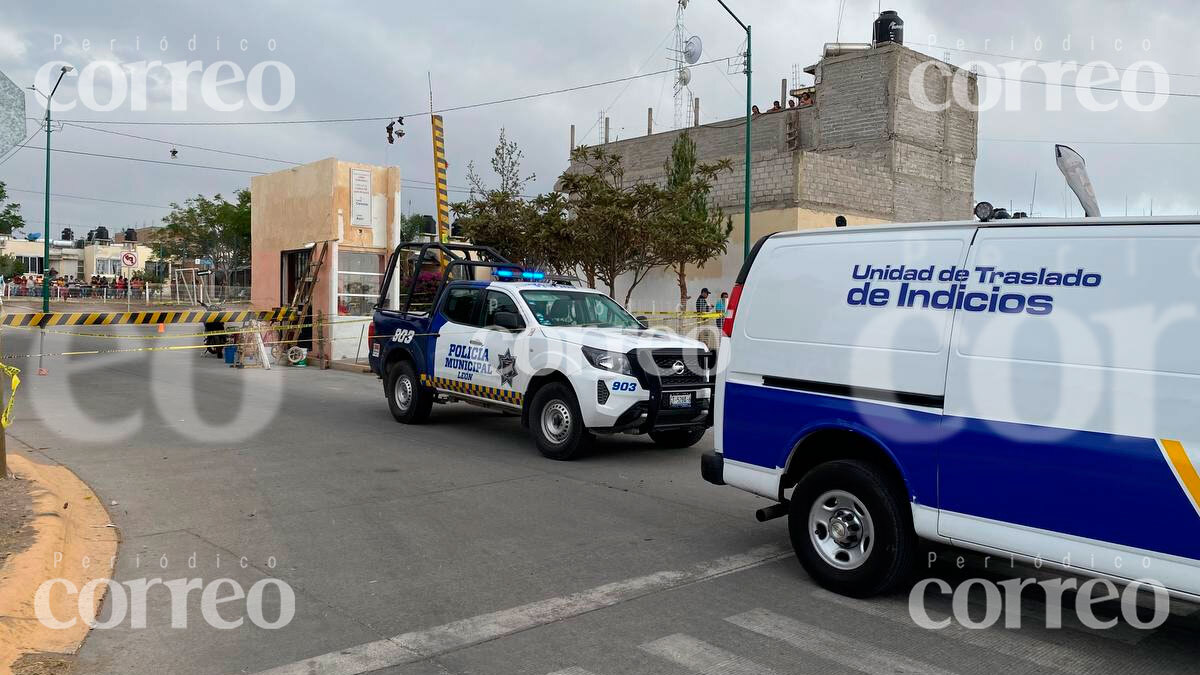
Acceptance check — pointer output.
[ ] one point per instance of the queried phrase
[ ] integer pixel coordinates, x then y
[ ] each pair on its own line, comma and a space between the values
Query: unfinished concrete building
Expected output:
858, 145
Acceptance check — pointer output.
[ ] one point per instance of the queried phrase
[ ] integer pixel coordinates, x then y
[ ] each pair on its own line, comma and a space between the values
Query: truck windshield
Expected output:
554, 307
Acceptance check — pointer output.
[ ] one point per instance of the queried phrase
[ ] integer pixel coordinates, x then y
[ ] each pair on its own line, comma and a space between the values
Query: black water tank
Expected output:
889, 27
67, 234
131, 234
102, 233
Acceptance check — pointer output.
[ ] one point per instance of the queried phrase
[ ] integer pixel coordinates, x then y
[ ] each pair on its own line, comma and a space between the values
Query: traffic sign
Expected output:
129, 258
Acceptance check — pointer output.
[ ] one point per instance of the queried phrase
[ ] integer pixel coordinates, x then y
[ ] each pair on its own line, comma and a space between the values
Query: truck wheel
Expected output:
556, 424
678, 438
409, 401
851, 529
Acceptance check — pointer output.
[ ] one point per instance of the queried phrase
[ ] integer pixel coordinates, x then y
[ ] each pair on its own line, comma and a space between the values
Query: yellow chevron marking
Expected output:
1184, 470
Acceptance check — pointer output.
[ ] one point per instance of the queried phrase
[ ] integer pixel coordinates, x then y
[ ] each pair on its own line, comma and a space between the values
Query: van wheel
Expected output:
409, 401
850, 529
556, 424
678, 438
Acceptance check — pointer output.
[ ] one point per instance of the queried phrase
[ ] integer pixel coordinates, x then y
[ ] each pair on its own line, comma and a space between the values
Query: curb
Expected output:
74, 540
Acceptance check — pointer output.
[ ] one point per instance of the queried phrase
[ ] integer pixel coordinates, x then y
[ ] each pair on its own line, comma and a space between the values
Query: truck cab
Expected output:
461, 323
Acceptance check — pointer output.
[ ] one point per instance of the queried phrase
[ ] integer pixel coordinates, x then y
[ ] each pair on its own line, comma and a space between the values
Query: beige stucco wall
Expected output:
659, 291
312, 203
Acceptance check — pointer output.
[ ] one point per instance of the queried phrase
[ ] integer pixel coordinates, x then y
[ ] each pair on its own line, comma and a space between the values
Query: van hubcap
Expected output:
556, 421
841, 529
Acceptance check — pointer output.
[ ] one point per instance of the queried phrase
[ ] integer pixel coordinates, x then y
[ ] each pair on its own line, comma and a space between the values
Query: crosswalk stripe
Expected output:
573, 670
862, 657
700, 657
1008, 642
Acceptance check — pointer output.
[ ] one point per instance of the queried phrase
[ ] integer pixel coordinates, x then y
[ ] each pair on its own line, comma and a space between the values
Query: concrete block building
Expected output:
860, 146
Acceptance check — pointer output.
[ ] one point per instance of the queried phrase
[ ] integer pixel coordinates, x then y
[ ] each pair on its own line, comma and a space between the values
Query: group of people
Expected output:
804, 100
704, 307
31, 284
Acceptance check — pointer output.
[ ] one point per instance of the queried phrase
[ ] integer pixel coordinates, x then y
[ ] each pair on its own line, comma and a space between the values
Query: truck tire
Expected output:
851, 530
409, 401
556, 424
678, 438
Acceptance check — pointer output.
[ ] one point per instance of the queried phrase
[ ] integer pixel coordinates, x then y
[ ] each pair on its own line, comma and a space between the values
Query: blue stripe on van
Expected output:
1106, 487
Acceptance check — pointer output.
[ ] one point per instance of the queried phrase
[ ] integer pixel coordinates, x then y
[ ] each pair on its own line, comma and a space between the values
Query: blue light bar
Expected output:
533, 275
504, 273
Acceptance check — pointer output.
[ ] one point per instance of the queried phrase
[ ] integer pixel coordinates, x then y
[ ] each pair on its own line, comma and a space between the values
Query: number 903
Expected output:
624, 386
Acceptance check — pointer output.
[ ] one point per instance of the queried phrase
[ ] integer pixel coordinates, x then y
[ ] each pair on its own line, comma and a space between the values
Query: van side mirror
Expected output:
509, 321
644, 321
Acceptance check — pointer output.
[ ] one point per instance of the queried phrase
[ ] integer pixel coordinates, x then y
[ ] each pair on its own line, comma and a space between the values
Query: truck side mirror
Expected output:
645, 322
509, 321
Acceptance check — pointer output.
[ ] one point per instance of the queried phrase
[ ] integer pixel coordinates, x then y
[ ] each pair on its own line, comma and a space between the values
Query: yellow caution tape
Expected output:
683, 315
14, 373
172, 336
170, 348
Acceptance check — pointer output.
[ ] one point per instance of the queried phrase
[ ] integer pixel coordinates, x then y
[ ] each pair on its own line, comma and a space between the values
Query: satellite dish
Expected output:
692, 49
685, 76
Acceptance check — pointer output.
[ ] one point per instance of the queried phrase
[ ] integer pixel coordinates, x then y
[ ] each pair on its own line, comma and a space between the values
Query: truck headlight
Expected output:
605, 360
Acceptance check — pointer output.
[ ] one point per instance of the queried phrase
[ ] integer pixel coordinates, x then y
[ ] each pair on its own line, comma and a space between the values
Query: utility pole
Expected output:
746, 223
46, 223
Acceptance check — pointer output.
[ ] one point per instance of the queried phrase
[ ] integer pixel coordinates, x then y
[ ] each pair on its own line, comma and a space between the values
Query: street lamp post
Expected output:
46, 223
746, 220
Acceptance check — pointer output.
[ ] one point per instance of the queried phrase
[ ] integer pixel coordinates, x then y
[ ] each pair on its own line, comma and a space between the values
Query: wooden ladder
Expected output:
302, 300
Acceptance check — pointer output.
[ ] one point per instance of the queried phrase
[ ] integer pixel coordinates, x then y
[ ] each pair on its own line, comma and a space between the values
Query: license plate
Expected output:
680, 400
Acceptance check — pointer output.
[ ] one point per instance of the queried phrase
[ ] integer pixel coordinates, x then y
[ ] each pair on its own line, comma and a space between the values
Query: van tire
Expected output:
556, 423
409, 401
678, 438
858, 496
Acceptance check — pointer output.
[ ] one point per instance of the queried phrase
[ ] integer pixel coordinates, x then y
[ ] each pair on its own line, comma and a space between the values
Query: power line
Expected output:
1027, 58
148, 161
182, 145
339, 120
91, 199
1036, 140
226, 152
13, 152
1092, 87
205, 166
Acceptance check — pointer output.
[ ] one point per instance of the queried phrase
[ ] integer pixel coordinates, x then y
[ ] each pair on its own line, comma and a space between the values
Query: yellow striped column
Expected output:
439, 174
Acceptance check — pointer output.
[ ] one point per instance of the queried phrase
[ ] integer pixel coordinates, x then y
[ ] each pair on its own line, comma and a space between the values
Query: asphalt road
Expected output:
454, 547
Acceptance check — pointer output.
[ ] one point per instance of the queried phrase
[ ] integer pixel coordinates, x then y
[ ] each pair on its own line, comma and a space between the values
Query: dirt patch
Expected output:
16, 516
44, 664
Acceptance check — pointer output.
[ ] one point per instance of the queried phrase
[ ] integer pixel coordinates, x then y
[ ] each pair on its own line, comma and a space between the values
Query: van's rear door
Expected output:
1076, 399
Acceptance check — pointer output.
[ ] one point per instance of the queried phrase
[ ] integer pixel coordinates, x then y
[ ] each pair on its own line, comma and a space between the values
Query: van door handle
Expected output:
476, 342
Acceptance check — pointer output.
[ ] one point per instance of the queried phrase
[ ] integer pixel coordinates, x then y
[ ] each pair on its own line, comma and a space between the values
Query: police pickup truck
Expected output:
459, 322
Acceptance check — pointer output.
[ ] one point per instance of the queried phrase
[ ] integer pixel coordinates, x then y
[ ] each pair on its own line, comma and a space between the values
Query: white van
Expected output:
1025, 388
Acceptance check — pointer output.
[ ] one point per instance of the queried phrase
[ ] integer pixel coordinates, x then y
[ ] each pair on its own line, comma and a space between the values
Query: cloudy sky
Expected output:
371, 59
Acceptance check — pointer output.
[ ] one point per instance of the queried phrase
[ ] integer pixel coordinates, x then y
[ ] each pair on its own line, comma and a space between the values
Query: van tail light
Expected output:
370, 336
731, 310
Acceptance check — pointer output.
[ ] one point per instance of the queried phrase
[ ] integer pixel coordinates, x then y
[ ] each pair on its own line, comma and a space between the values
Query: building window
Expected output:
33, 264
359, 279
108, 266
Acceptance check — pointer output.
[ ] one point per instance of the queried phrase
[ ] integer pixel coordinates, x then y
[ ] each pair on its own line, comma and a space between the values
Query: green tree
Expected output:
690, 232
503, 217
412, 226
211, 229
10, 214
617, 223
10, 266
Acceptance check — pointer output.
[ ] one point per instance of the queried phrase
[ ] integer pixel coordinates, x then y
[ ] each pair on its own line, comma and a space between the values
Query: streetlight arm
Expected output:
735, 18
61, 75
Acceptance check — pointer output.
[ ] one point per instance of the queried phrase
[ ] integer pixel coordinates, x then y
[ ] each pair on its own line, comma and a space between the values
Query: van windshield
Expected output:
572, 308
